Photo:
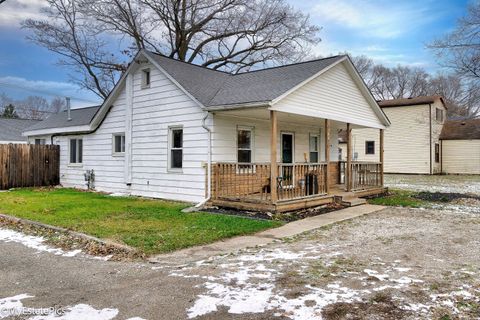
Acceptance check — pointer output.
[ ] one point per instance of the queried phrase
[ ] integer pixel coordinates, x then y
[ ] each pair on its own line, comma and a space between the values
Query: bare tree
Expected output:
460, 49
231, 35
57, 104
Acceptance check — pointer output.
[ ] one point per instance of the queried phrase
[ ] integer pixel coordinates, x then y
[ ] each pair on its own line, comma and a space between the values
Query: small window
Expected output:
119, 143
176, 148
369, 147
40, 141
244, 145
439, 114
313, 148
437, 153
76, 150
145, 78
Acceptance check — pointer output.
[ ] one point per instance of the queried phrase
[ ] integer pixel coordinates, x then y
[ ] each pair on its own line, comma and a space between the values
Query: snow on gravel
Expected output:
33, 242
469, 184
13, 306
406, 261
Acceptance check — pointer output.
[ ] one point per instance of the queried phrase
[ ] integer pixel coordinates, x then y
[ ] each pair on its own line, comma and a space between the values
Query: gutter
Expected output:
209, 163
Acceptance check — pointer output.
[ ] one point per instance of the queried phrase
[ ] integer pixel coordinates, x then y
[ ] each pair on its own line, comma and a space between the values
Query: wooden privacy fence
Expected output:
23, 165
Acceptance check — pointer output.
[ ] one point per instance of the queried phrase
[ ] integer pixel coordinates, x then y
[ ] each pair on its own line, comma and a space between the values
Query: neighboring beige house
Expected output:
412, 142
460, 147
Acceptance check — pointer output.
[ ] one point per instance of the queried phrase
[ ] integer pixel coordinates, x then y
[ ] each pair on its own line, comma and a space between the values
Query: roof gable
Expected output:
338, 93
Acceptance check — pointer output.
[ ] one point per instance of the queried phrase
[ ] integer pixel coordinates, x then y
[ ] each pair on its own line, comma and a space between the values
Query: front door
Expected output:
287, 140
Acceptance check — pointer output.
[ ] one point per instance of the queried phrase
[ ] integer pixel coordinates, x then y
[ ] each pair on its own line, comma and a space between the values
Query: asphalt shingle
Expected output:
11, 129
80, 117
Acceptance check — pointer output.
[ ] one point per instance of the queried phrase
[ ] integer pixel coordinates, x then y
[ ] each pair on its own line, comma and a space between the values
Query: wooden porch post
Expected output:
348, 169
273, 155
381, 156
327, 154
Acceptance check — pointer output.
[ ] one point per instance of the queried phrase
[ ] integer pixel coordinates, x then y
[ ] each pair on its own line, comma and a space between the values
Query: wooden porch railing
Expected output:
366, 175
245, 181
300, 180
251, 181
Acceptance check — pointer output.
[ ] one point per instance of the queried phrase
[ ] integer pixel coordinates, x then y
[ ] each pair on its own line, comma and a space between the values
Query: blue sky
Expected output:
390, 32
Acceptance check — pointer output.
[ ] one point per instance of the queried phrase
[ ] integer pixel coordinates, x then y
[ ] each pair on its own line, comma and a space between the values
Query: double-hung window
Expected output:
76, 150
314, 148
439, 114
369, 147
176, 147
437, 153
244, 145
40, 141
146, 78
119, 143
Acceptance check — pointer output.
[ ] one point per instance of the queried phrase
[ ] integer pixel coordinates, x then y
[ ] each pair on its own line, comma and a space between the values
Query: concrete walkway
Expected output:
264, 237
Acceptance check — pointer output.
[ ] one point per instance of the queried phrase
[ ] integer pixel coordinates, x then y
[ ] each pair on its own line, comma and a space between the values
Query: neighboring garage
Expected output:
460, 147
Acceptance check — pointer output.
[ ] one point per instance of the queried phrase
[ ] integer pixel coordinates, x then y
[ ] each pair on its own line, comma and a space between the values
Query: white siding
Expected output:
154, 110
407, 140
333, 95
461, 156
224, 139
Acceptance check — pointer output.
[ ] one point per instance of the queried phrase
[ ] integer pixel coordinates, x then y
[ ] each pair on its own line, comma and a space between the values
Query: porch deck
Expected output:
298, 186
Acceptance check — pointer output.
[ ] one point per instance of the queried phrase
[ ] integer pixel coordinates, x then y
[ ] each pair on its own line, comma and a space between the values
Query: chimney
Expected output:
69, 116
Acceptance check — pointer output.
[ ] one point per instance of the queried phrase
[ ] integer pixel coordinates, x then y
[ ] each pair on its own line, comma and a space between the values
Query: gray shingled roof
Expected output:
80, 117
11, 129
215, 88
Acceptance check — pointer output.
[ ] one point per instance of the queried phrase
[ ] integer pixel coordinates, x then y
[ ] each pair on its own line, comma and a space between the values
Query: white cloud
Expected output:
13, 12
48, 89
372, 18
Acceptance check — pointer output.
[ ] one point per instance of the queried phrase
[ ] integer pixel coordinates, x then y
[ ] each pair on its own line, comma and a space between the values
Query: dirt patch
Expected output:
287, 216
444, 196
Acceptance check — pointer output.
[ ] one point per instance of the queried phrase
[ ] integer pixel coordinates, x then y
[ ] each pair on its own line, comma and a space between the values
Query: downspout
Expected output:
430, 145
209, 163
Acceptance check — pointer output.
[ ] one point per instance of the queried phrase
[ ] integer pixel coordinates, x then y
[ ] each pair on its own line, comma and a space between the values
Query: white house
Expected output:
460, 147
11, 130
166, 120
412, 142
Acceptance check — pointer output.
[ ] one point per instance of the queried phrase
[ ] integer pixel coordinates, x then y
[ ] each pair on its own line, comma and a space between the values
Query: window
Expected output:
244, 145
119, 143
369, 147
439, 114
76, 150
145, 78
176, 148
437, 153
313, 148
40, 141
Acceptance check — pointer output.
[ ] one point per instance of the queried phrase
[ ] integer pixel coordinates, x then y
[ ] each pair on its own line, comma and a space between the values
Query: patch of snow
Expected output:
407, 280
12, 305
33, 242
81, 312
400, 269
373, 273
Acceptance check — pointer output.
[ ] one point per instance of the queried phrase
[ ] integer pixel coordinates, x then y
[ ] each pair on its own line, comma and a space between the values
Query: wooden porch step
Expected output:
352, 202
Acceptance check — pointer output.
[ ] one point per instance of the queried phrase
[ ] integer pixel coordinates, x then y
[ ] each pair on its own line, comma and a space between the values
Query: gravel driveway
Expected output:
393, 264
469, 184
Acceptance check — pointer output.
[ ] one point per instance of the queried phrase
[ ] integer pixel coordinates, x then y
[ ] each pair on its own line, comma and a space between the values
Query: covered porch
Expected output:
295, 170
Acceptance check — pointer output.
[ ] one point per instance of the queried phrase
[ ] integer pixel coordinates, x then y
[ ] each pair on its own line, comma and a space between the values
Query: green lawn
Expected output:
402, 198
153, 226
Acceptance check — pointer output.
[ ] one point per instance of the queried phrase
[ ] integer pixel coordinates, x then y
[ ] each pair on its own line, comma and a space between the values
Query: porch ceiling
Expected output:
263, 113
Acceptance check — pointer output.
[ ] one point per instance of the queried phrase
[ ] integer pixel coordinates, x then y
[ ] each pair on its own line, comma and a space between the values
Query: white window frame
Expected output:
366, 148
318, 147
252, 142
114, 152
442, 115
146, 85
42, 141
75, 164
170, 148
